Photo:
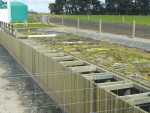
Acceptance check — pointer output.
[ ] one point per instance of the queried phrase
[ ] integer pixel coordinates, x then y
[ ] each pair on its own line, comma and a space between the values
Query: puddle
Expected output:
57, 34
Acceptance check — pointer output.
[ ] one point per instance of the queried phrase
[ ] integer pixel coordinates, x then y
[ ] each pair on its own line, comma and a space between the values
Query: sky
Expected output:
37, 5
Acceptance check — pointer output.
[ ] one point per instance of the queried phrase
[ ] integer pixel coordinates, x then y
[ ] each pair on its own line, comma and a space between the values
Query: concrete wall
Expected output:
73, 92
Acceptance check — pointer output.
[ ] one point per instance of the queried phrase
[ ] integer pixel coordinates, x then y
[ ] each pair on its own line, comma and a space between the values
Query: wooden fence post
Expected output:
133, 30
47, 19
123, 19
16, 31
0, 24
88, 18
41, 18
100, 26
62, 21
9, 28
5, 26
78, 23
12, 30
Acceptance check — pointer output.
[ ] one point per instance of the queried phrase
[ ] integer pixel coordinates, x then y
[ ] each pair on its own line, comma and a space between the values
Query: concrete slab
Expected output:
72, 63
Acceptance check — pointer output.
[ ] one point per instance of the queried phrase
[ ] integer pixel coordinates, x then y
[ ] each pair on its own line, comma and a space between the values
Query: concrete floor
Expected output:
18, 90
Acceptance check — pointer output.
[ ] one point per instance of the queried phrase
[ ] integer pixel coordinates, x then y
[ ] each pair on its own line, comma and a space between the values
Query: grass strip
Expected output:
140, 20
33, 25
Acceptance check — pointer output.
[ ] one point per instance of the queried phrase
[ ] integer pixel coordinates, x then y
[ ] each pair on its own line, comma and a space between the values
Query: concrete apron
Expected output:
35, 29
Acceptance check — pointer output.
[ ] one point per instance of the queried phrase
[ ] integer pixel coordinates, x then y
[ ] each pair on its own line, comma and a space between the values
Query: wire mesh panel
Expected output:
142, 31
119, 29
57, 21
30, 16
90, 25
37, 18
70, 22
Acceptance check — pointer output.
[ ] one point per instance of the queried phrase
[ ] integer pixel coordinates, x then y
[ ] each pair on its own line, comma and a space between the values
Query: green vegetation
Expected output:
116, 57
30, 20
69, 34
140, 20
96, 7
33, 25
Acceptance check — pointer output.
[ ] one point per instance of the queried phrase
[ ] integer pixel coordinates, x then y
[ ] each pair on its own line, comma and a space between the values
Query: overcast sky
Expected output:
37, 5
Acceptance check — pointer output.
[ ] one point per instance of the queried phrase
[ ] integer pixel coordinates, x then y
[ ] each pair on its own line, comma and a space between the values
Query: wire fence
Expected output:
142, 31
113, 28
56, 21
70, 23
118, 29
89, 25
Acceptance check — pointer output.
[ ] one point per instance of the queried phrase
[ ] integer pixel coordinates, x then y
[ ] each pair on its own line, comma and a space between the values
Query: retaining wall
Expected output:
66, 79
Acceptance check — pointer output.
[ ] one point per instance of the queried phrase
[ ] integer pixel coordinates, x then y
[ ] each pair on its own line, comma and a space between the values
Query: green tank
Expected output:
19, 11
0, 2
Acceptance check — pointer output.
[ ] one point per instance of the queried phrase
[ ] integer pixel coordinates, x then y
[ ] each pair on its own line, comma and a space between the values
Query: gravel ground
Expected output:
18, 90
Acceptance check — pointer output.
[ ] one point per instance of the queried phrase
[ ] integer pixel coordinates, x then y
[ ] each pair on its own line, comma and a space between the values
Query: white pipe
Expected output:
36, 36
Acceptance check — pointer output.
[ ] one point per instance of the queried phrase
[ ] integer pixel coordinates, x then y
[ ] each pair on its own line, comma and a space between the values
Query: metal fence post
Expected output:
62, 21
78, 23
133, 30
100, 26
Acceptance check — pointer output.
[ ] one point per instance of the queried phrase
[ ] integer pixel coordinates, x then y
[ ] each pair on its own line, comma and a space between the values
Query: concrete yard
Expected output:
18, 91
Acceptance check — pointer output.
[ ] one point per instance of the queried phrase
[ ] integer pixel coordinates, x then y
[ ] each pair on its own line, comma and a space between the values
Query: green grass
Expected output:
69, 34
30, 20
134, 56
140, 20
33, 25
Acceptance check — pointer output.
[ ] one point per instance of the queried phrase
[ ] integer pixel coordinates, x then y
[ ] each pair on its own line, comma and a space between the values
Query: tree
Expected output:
76, 7
144, 7
97, 7
4, 2
111, 6
135, 8
52, 7
57, 7
123, 6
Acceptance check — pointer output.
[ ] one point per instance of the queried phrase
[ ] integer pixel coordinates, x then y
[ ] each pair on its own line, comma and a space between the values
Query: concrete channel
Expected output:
76, 85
